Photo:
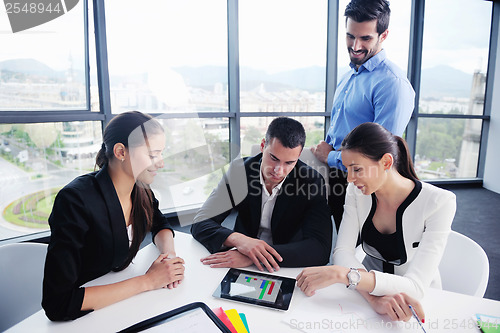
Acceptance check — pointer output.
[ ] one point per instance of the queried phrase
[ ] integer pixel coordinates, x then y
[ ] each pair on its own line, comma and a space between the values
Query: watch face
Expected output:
354, 276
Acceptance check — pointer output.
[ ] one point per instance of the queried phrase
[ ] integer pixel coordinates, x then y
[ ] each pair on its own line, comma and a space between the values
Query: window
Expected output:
196, 150
36, 161
253, 130
282, 55
44, 68
167, 56
455, 57
447, 148
453, 82
47, 134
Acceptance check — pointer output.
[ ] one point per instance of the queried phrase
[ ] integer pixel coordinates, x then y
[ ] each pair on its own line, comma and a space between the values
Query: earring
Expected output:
123, 159
386, 170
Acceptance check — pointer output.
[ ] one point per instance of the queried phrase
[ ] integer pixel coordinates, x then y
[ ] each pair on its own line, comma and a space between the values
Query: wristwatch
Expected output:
354, 277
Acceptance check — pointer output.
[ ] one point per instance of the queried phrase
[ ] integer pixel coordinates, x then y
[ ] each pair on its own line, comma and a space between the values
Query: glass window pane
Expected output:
455, 56
196, 150
447, 148
396, 44
36, 161
94, 87
253, 130
282, 55
167, 56
43, 68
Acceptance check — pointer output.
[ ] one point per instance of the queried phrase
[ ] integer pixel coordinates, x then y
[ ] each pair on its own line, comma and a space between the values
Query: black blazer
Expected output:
301, 226
88, 239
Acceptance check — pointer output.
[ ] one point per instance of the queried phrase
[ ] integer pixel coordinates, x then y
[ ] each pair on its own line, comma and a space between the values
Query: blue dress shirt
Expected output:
377, 92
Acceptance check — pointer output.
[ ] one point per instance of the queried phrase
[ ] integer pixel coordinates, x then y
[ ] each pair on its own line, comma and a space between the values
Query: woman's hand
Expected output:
314, 278
171, 255
397, 306
165, 272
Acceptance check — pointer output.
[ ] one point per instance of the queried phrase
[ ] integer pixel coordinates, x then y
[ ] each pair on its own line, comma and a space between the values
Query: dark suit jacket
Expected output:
300, 224
88, 239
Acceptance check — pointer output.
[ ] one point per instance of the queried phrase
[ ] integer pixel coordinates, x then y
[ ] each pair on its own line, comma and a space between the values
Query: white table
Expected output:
333, 309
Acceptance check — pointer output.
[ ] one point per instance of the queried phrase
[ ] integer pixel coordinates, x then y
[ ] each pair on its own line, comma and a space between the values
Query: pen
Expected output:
416, 317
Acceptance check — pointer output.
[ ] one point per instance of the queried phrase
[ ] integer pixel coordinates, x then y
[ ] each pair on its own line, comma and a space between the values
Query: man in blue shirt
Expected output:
374, 90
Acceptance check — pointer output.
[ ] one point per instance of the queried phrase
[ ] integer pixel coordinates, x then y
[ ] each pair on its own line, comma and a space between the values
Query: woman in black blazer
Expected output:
100, 219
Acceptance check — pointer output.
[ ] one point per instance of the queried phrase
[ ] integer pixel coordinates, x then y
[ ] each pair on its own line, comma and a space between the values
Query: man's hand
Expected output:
231, 258
321, 151
255, 249
396, 306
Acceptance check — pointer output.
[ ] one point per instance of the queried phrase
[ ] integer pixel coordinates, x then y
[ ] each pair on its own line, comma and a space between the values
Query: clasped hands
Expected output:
247, 251
167, 271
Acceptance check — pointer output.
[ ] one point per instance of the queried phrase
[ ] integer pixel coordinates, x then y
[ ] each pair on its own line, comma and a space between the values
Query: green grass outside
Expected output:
40, 213
45, 205
434, 166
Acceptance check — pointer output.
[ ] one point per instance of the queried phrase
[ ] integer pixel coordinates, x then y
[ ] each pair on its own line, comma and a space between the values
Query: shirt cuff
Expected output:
335, 161
382, 285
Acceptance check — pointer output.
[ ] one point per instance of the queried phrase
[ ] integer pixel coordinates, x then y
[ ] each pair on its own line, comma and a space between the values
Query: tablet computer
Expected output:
271, 291
191, 318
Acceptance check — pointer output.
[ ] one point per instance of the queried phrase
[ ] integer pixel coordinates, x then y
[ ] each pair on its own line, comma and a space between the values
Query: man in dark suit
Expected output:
282, 213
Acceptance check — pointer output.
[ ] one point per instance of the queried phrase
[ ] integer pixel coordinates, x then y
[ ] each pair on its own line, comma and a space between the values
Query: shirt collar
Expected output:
371, 63
276, 188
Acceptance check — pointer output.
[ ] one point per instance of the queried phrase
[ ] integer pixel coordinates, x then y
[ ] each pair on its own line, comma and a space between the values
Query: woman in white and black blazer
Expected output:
403, 225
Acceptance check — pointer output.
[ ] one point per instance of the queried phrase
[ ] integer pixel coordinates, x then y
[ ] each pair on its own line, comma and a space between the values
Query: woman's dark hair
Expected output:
132, 129
289, 131
369, 10
373, 141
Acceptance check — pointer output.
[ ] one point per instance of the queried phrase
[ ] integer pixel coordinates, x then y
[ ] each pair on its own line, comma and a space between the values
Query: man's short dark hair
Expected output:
369, 10
290, 132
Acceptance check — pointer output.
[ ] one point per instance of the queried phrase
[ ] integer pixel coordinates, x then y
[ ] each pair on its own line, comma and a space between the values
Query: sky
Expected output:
274, 35
51, 43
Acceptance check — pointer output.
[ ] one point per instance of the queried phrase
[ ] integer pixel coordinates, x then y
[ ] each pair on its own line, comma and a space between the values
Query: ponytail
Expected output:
101, 159
404, 164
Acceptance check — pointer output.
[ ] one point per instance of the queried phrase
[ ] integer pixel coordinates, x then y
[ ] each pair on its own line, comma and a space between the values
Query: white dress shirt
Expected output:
267, 207
129, 234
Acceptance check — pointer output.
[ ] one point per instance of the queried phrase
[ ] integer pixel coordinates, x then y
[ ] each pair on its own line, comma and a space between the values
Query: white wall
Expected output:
492, 162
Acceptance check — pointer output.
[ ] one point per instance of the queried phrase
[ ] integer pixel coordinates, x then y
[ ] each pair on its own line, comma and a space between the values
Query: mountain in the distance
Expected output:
436, 82
34, 68
27, 66
309, 78
446, 81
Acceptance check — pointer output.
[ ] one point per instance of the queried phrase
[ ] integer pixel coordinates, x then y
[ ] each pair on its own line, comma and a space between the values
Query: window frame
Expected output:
414, 74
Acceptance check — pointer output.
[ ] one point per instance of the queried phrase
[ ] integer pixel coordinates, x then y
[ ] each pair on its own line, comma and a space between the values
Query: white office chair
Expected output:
464, 267
21, 275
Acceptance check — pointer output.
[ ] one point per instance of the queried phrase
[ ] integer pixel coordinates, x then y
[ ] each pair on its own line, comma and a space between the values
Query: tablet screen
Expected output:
190, 318
192, 321
256, 288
